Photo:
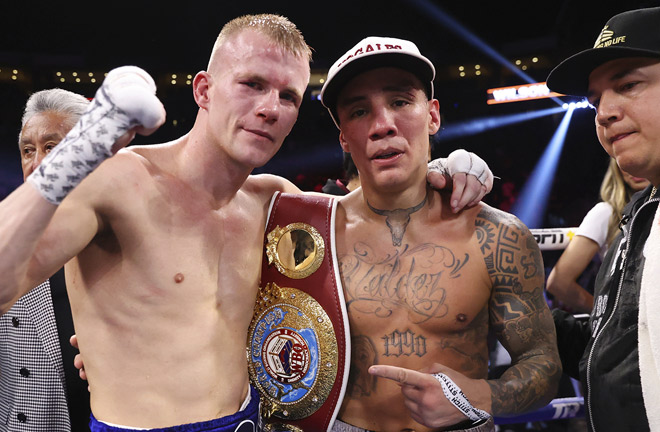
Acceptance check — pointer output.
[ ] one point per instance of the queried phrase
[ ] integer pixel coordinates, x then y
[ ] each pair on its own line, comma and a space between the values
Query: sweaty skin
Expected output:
162, 350
427, 304
432, 299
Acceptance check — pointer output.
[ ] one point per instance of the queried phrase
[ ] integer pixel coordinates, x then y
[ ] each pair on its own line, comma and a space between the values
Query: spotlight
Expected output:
434, 11
533, 200
479, 125
576, 105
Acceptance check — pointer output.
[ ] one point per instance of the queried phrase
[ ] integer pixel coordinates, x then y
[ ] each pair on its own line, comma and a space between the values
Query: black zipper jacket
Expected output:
604, 352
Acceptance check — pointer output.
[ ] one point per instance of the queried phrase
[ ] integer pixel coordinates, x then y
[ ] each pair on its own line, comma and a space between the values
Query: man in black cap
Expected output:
620, 76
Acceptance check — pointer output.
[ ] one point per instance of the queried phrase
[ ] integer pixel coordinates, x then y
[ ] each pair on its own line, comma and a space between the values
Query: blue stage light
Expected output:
533, 200
476, 126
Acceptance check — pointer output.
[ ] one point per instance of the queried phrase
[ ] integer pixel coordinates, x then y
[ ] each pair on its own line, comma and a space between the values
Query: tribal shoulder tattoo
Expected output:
519, 314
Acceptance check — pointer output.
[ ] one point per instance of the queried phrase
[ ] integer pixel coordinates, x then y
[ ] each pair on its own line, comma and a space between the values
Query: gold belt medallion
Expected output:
292, 352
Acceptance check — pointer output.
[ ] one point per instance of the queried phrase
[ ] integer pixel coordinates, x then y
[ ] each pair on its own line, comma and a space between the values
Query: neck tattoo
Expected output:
397, 220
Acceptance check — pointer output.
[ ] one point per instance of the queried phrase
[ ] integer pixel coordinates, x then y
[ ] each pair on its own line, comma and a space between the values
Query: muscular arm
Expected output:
562, 282
519, 315
40, 230
36, 239
24, 215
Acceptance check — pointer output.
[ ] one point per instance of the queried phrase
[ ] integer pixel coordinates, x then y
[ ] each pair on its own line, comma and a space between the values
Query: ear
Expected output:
343, 142
434, 116
201, 85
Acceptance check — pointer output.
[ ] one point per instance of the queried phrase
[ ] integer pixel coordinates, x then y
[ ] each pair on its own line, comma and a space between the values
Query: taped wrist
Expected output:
109, 116
461, 161
439, 165
455, 395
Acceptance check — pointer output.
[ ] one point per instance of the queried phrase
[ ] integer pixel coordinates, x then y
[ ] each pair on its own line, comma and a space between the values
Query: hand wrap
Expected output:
125, 99
455, 395
461, 161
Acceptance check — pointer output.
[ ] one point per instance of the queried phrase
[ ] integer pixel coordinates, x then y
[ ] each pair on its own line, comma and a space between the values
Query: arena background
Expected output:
46, 44
53, 44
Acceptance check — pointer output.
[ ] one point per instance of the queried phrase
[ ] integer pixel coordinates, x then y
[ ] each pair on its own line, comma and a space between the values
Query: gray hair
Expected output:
57, 100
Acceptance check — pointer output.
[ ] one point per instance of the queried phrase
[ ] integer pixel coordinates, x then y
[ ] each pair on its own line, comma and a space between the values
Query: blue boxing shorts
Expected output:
245, 420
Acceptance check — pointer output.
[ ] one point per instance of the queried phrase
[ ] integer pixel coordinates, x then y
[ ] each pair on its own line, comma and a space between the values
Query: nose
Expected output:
383, 124
269, 107
609, 109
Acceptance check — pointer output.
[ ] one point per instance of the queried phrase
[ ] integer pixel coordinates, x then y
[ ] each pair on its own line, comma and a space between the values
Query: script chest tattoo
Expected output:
413, 279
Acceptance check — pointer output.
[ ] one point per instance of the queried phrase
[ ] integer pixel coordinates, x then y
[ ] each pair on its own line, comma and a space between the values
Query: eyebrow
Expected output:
622, 74
48, 137
263, 80
402, 88
617, 76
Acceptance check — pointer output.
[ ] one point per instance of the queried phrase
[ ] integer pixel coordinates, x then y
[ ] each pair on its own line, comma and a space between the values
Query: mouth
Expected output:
385, 155
619, 137
259, 133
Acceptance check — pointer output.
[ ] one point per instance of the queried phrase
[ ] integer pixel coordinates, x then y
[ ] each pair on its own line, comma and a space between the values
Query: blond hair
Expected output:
616, 192
276, 27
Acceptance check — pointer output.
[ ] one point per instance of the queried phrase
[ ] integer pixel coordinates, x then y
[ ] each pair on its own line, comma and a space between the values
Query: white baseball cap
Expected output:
371, 53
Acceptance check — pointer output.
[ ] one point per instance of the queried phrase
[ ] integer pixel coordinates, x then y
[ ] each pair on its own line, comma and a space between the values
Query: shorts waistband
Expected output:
487, 425
245, 420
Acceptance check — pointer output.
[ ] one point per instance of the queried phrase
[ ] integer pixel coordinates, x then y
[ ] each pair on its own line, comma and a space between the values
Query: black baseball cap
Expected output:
634, 33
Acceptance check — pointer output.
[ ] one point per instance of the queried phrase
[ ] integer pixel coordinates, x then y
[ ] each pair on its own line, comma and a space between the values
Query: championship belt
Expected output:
299, 340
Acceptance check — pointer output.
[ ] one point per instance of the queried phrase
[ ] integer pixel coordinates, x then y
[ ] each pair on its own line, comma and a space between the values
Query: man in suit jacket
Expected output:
39, 387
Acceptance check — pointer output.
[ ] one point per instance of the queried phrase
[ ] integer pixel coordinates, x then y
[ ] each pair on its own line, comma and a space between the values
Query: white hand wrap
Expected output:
455, 395
439, 165
461, 161
125, 100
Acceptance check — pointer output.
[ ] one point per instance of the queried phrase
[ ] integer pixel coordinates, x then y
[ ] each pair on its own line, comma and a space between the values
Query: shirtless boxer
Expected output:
423, 285
162, 243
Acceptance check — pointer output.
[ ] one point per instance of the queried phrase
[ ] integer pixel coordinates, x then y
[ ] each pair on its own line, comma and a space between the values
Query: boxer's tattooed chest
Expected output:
397, 220
413, 279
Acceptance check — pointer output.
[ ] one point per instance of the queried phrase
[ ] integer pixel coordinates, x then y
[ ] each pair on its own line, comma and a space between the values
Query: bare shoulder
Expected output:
499, 227
488, 214
509, 249
267, 184
127, 174
122, 167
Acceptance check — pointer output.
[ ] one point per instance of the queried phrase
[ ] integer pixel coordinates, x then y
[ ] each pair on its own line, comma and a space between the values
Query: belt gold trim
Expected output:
298, 341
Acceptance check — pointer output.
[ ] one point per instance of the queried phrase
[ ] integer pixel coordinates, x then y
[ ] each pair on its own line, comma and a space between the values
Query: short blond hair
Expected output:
276, 27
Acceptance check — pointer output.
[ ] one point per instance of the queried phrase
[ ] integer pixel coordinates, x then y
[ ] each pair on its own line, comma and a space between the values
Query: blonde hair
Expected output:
616, 192
276, 27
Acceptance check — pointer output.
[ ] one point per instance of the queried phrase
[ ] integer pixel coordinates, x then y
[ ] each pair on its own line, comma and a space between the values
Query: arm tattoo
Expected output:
519, 314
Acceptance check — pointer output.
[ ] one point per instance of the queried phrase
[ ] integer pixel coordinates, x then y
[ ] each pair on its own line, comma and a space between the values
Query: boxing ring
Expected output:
561, 408
550, 239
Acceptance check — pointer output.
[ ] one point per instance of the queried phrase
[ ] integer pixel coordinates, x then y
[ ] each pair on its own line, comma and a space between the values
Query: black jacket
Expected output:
604, 350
